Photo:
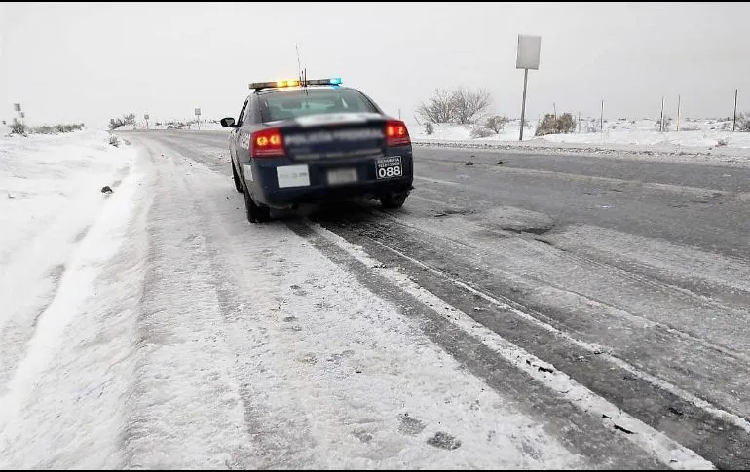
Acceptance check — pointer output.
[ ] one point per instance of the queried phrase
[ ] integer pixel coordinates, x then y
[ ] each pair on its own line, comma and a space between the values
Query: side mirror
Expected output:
227, 122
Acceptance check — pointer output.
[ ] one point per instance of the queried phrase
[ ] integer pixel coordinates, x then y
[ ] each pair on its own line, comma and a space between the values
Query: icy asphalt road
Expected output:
520, 311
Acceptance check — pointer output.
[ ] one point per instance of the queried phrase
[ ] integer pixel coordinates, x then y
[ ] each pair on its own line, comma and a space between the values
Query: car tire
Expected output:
237, 181
394, 200
256, 213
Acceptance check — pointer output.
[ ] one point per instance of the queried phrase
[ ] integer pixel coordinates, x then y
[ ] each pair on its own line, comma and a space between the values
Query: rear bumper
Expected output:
261, 178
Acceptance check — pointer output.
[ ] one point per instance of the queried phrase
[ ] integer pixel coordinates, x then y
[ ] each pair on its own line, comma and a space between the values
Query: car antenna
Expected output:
299, 66
307, 92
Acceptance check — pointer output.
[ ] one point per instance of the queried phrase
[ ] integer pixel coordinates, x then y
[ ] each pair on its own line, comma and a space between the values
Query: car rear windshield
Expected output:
290, 104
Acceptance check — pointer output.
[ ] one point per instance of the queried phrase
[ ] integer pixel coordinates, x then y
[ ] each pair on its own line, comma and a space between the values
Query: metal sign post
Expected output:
145, 117
527, 57
661, 115
198, 114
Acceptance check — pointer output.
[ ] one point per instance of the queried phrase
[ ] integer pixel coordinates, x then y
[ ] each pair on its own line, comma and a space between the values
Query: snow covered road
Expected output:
534, 314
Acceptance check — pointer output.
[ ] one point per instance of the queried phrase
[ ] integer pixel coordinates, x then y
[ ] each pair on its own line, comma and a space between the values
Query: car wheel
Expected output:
255, 212
237, 181
394, 200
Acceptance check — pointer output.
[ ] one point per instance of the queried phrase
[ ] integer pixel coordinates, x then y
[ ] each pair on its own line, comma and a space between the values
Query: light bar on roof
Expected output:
276, 84
293, 83
334, 81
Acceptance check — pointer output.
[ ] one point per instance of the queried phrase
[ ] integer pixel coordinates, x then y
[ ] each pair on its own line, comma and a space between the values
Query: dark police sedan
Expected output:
314, 140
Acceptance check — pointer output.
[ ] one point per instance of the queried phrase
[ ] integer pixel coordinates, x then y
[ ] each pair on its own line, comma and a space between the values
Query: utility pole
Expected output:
601, 119
734, 116
579, 122
679, 100
661, 115
554, 110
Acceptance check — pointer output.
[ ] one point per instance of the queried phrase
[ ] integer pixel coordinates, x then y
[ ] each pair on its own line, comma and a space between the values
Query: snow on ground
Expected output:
155, 328
705, 137
204, 126
50, 200
136, 333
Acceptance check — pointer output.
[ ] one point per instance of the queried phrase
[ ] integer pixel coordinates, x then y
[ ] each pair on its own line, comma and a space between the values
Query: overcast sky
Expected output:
83, 62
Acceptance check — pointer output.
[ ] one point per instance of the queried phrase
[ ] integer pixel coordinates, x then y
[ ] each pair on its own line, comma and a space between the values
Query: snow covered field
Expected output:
710, 140
141, 125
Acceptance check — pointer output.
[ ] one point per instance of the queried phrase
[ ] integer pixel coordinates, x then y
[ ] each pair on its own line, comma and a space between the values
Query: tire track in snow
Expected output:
588, 320
303, 330
713, 432
559, 398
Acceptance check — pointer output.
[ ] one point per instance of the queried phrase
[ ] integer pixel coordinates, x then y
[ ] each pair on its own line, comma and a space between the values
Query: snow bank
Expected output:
634, 136
141, 126
50, 195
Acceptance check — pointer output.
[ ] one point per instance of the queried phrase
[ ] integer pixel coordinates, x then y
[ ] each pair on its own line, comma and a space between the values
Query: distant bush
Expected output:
667, 124
689, 128
18, 128
428, 128
56, 129
480, 132
551, 125
114, 141
126, 120
497, 123
743, 122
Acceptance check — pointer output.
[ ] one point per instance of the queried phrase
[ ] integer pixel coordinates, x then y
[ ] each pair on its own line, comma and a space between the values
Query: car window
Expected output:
290, 104
242, 113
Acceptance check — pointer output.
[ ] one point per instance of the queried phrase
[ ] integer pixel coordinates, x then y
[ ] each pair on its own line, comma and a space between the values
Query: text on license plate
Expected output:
388, 167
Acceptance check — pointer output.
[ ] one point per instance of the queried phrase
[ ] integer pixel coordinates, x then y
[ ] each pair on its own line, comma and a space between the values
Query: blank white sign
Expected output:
529, 48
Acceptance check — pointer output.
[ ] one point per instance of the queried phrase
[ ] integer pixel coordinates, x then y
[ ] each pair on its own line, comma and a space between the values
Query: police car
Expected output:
299, 141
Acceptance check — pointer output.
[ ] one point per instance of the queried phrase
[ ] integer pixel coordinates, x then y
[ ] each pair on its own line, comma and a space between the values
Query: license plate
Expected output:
388, 167
342, 176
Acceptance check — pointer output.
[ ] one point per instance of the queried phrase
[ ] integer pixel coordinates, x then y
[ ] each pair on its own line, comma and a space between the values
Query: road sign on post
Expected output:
145, 117
17, 107
198, 114
527, 57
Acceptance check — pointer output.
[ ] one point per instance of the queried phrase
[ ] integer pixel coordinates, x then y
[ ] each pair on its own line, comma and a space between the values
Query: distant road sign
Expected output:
197, 112
17, 106
145, 117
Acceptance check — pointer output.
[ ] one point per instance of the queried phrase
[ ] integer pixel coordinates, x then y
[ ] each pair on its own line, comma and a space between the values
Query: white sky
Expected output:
81, 62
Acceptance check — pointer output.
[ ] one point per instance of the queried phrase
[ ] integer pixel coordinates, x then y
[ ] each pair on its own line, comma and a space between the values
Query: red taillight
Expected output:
266, 143
396, 133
